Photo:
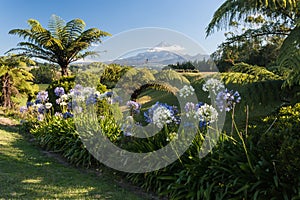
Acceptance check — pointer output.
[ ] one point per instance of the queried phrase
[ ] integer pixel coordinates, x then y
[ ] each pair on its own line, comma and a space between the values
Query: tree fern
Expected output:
260, 73
239, 9
289, 57
14, 79
62, 43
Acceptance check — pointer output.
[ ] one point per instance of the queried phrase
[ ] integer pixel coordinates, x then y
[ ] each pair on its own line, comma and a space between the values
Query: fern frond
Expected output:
239, 9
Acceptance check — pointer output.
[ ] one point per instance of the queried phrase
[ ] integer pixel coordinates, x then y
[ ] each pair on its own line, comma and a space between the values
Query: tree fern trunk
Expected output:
6, 92
64, 70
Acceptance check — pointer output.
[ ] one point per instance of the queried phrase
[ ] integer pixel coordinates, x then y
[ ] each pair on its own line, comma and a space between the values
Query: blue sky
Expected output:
189, 17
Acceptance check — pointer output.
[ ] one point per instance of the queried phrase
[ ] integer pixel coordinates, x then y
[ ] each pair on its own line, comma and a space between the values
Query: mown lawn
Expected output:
28, 173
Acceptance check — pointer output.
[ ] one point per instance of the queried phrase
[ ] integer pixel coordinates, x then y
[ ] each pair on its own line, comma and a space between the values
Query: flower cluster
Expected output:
207, 114
186, 91
226, 99
160, 114
213, 85
133, 106
59, 91
204, 113
39, 107
42, 97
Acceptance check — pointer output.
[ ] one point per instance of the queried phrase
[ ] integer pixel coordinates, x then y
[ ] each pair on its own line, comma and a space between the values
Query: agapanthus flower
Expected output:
160, 114
190, 109
63, 103
42, 96
28, 104
58, 114
87, 91
91, 100
227, 99
48, 105
23, 109
41, 108
40, 117
108, 94
207, 113
59, 91
186, 91
64, 97
67, 115
213, 85
134, 106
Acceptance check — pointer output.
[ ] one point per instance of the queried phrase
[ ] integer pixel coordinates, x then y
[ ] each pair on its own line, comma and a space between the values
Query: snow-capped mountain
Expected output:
160, 55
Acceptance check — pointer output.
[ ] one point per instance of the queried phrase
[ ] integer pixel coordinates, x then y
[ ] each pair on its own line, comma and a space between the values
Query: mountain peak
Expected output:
163, 44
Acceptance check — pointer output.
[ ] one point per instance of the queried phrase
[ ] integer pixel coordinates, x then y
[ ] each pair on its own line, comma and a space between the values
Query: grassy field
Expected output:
28, 173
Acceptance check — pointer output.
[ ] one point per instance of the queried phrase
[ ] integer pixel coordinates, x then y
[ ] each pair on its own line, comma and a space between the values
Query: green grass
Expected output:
43, 86
28, 173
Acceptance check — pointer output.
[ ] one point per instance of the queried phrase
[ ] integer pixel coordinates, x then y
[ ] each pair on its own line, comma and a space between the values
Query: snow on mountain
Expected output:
158, 56
164, 46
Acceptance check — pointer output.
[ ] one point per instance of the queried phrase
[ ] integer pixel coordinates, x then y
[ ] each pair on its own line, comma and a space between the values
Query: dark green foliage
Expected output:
272, 173
43, 74
281, 143
194, 66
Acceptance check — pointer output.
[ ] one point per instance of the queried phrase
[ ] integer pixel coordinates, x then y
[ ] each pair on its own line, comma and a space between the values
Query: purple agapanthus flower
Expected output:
226, 99
108, 94
67, 115
134, 106
23, 109
42, 96
58, 114
41, 109
91, 100
59, 91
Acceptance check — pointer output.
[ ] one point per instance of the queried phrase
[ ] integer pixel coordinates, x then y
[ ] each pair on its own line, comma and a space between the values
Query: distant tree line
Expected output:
193, 66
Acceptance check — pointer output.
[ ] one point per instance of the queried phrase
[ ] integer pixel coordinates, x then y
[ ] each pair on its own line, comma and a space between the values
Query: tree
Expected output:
281, 19
63, 43
14, 78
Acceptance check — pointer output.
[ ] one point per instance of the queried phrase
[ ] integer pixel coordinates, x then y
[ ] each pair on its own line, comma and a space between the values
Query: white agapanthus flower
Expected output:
48, 105
213, 85
207, 113
161, 116
64, 97
63, 103
186, 91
